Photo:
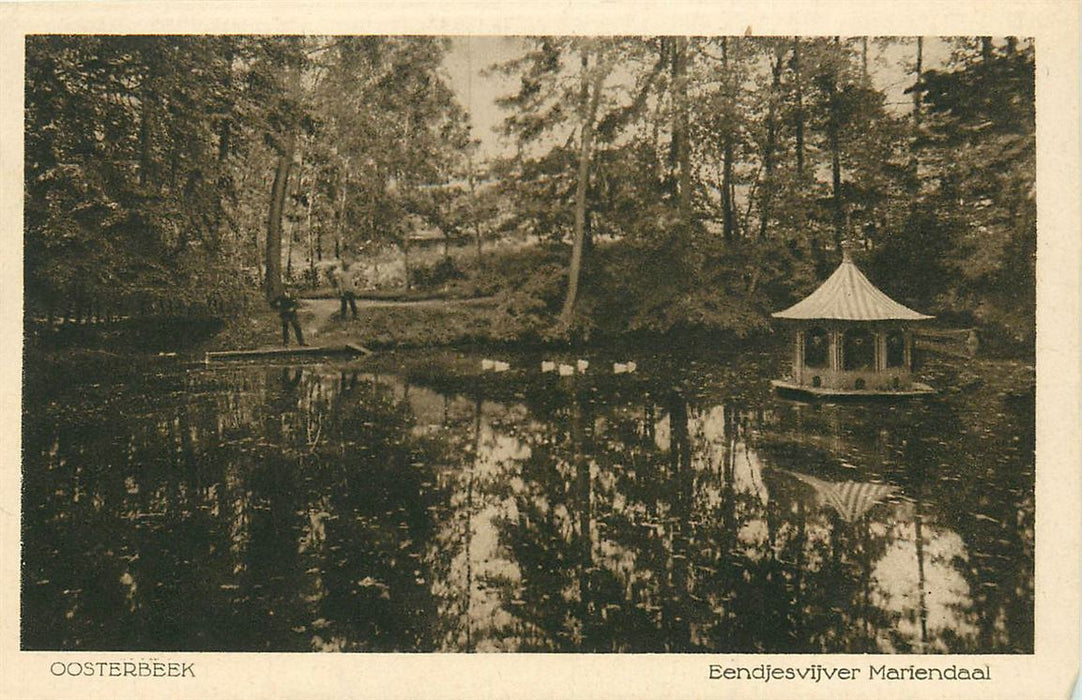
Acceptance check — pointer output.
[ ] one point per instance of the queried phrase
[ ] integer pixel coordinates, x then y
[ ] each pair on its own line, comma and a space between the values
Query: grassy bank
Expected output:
513, 298
379, 325
489, 321
419, 325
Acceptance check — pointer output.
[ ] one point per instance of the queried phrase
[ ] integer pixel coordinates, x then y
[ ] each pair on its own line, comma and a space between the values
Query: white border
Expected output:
1049, 673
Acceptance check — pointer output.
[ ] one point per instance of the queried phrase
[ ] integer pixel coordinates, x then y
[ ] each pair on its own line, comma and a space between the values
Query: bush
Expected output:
444, 271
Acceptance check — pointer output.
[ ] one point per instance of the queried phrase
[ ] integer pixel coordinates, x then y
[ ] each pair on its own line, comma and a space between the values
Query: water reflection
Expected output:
328, 508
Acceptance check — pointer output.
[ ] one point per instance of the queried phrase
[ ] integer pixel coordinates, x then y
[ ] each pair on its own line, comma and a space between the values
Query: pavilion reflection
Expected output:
664, 527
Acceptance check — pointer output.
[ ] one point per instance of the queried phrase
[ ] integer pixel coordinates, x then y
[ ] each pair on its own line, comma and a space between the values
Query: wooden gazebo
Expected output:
851, 339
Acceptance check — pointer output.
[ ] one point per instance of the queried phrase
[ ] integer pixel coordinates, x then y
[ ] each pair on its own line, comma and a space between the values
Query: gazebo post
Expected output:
835, 350
880, 350
798, 355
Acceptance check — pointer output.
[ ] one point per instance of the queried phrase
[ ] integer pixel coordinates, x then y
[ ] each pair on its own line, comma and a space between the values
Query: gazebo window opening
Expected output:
816, 348
858, 350
895, 349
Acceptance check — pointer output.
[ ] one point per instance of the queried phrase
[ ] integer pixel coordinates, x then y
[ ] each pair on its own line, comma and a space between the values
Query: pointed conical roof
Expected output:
851, 499
847, 295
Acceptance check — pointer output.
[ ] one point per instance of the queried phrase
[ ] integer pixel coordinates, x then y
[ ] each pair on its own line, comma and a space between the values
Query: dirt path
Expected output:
319, 317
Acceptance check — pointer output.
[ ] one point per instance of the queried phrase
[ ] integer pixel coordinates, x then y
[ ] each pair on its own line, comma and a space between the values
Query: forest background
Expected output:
651, 186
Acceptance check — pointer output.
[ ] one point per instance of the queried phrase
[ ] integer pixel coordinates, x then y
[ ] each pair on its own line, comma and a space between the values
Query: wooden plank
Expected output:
952, 349
952, 333
302, 351
358, 349
960, 342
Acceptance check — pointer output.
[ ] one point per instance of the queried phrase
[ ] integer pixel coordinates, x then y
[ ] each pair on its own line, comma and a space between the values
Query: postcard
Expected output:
540, 350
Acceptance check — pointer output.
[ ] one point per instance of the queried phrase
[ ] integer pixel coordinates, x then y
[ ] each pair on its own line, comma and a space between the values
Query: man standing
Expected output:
287, 307
344, 284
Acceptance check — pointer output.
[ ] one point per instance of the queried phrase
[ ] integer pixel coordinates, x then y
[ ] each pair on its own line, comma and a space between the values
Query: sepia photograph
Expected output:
709, 344
529, 393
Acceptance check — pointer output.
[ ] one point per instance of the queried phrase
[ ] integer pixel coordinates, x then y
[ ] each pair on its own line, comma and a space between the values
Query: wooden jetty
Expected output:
302, 351
957, 342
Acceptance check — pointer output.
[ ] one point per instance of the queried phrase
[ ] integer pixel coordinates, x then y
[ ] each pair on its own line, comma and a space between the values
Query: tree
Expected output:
559, 71
592, 82
978, 150
279, 65
132, 144
396, 128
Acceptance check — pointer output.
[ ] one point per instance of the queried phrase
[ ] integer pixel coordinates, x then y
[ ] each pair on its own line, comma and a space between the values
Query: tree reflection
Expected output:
278, 507
320, 507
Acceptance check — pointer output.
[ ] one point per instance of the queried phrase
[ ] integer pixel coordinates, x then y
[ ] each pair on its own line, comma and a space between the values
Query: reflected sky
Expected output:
343, 507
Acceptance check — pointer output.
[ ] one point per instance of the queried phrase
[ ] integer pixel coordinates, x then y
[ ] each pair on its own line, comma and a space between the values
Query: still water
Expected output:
413, 503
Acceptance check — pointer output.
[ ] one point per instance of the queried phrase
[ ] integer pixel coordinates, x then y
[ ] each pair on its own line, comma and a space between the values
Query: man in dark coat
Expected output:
287, 307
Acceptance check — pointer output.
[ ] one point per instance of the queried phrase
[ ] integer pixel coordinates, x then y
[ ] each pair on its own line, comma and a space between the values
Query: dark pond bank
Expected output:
409, 502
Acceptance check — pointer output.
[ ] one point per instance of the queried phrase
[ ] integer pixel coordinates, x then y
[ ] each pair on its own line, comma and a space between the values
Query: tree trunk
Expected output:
480, 253
836, 184
145, 132
473, 209
834, 136
289, 251
291, 236
728, 226
771, 144
799, 115
224, 150
920, 74
590, 104
914, 163
308, 228
864, 59
681, 137
273, 279
225, 134
727, 191
341, 211
655, 140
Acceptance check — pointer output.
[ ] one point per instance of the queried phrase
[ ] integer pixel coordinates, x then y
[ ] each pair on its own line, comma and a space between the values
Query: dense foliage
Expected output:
730, 169
972, 228
674, 183
188, 166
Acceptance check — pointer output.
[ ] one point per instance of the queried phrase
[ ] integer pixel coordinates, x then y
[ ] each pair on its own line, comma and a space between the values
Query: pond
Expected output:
412, 502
